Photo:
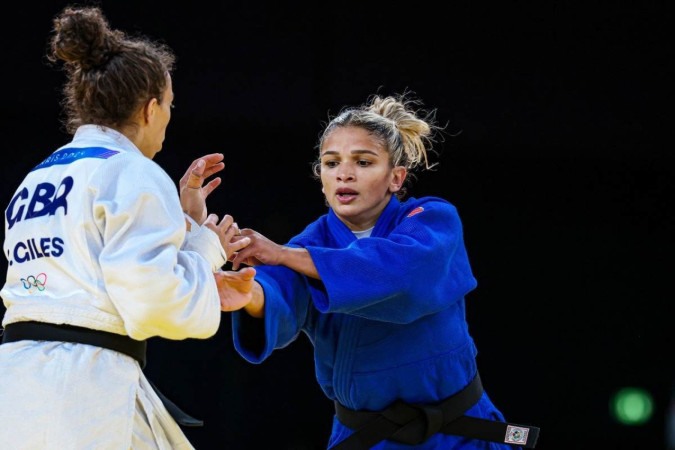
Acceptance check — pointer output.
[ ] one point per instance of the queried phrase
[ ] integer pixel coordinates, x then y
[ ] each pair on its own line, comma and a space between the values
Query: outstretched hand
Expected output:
235, 288
260, 250
192, 193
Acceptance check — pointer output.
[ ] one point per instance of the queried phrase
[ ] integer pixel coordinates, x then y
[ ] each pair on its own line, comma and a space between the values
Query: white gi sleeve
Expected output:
158, 289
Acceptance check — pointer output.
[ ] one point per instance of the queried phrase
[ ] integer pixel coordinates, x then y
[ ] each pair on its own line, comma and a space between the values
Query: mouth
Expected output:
345, 195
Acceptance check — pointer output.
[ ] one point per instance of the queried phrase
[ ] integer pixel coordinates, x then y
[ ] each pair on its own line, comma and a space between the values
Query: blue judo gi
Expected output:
387, 319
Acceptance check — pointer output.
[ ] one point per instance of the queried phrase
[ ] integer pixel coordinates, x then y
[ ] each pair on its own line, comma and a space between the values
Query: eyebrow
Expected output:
353, 152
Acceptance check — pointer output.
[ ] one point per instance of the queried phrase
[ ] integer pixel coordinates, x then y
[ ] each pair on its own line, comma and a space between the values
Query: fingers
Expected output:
210, 186
241, 256
202, 172
221, 227
229, 226
234, 288
245, 274
231, 239
235, 261
213, 163
203, 168
229, 232
214, 168
235, 241
212, 221
239, 244
212, 158
238, 258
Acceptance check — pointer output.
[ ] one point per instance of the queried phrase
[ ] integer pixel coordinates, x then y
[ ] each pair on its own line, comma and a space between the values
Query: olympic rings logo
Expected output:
32, 283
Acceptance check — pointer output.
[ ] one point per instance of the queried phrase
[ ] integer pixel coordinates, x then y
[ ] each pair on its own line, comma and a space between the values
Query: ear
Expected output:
149, 109
398, 175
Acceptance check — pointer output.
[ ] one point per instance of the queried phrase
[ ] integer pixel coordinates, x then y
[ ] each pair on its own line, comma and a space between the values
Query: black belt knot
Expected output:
413, 424
434, 421
414, 432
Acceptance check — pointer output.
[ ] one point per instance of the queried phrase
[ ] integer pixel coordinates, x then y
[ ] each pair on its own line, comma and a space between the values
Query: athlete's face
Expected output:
357, 177
157, 117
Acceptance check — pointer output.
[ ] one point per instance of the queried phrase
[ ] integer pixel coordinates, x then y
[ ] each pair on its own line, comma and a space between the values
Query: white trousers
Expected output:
67, 396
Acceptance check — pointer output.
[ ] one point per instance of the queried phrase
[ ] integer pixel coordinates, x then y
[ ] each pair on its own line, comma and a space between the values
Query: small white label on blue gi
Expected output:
516, 435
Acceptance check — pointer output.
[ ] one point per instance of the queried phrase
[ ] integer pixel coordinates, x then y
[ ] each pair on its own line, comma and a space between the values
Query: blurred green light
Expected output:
632, 406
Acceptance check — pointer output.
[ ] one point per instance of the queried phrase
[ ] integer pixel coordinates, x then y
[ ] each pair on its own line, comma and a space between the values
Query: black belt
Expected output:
43, 331
414, 424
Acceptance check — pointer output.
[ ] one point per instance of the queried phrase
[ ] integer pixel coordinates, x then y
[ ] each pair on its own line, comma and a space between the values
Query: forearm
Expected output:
299, 260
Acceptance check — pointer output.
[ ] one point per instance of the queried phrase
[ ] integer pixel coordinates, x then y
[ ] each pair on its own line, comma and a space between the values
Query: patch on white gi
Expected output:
516, 435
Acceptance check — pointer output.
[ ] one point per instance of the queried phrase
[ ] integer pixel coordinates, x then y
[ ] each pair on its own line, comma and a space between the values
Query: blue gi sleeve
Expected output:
287, 301
419, 268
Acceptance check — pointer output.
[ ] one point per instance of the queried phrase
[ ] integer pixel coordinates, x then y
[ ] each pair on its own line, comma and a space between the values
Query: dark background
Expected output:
561, 167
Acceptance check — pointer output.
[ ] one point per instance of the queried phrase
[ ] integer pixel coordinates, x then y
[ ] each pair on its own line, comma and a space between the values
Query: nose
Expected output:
345, 173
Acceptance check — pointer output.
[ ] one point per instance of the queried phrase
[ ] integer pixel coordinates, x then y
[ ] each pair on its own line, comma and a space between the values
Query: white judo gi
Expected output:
95, 237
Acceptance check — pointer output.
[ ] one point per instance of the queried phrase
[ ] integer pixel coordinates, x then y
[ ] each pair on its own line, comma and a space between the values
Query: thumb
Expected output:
248, 273
194, 181
198, 171
199, 168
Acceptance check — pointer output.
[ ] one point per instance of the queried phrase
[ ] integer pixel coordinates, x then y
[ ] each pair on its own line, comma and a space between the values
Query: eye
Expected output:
364, 162
330, 164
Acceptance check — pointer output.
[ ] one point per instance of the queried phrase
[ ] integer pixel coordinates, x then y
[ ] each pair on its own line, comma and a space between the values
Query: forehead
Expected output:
352, 138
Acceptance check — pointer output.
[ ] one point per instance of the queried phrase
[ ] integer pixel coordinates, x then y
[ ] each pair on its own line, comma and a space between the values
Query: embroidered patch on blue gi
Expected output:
69, 155
516, 435
417, 210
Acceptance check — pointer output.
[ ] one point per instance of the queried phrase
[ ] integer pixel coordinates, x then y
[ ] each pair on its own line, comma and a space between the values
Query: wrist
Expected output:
256, 307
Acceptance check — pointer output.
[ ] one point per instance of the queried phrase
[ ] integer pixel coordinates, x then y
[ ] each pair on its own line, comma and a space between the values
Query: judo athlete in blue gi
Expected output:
100, 257
378, 284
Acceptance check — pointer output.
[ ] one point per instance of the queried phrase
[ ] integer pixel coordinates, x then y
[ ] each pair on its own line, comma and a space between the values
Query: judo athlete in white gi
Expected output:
97, 242
378, 285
